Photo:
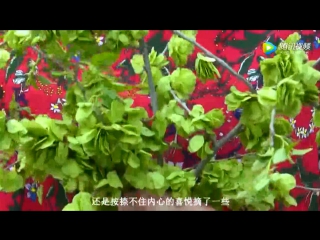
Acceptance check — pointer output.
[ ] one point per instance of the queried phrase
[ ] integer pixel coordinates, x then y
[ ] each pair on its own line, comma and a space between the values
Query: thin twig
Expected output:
175, 137
167, 70
271, 126
214, 140
235, 157
185, 107
183, 104
316, 62
45, 56
219, 60
217, 144
308, 188
147, 68
237, 129
165, 50
11, 165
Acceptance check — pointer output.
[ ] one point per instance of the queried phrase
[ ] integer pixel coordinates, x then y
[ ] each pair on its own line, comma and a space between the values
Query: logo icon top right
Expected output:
268, 48
316, 43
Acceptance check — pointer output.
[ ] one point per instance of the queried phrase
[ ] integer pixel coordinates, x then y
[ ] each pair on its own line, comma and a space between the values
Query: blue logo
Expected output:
268, 48
316, 43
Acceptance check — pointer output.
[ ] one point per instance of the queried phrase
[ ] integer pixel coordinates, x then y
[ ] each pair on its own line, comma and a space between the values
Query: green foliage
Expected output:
248, 183
10, 181
293, 78
180, 49
205, 68
124, 38
4, 57
157, 62
289, 83
81, 202
104, 147
183, 81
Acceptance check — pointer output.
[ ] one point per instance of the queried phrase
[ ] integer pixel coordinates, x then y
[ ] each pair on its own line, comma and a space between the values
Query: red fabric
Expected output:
240, 48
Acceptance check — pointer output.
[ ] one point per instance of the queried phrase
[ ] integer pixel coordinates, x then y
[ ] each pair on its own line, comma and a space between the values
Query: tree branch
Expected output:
316, 62
44, 55
183, 104
165, 50
219, 60
217, 144
152, 88
147, 68
240, 156
11, 165
237, 129
308, 188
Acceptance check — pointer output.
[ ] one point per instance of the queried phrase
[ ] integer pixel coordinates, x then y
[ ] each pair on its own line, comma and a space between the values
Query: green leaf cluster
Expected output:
293, 78
81, 202
180, 49
124, 38
289, 83
157, 62
103, 146
205, 68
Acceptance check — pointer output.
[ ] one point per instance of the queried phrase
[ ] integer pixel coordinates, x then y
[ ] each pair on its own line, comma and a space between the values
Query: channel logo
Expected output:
316, 43
268, 48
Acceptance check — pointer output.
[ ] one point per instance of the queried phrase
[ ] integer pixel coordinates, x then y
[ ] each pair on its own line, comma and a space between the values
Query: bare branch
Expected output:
165, 50
217, 144
44, 55
152, 88
316, 62
147, 68
219, 60
308, 188
183, 104
237, 129
167, 70
11, 165
238, 157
